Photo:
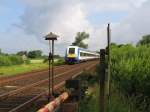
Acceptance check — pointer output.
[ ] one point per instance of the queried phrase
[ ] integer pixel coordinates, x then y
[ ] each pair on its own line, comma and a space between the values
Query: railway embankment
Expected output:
18, 93
33, 66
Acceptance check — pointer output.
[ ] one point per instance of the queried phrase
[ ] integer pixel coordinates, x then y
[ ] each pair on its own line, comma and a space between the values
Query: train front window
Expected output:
71, 50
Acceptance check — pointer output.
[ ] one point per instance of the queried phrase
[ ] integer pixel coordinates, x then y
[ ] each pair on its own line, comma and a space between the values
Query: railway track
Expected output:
19, 81
7, 80
26, 93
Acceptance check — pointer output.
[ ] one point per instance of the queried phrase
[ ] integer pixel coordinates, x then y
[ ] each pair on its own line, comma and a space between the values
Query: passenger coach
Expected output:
75, 54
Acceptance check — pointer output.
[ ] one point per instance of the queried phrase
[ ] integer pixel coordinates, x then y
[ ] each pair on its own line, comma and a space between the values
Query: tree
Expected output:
145, 40
98, 52
35, 54
21, 53
113, 44
57, 56
79, 39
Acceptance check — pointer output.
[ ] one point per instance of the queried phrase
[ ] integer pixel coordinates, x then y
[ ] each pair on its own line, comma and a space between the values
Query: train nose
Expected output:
71, 56
71, 60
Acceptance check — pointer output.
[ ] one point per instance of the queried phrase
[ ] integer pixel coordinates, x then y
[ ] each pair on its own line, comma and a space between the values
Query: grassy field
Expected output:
35, 64
41, 60
17, 69
36, 61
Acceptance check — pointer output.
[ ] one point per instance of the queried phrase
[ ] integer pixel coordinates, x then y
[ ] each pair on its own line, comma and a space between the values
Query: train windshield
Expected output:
71, 50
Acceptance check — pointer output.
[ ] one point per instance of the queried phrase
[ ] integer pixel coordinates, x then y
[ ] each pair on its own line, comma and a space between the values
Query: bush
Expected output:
35, 54
131, 73
27, 61
16, 60
6, 60
45, 60
59, 62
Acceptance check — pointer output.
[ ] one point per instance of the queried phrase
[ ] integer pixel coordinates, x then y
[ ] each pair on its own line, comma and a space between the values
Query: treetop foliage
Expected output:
35, 54
145, 40
79, 39
31, 54
21, 53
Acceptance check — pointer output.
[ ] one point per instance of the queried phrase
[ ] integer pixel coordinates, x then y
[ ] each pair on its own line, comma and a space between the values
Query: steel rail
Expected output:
13, 92
31, 101
25, 76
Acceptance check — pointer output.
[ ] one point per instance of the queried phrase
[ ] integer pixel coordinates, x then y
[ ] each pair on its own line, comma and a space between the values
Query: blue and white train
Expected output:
75, 54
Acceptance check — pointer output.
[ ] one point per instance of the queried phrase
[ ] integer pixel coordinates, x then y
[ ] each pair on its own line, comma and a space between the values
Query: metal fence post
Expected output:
102, 80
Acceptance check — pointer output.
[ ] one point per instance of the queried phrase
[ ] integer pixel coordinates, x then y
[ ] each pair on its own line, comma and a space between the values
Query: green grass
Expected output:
18, 69
36, 61
118, 103
35, 64
91, 102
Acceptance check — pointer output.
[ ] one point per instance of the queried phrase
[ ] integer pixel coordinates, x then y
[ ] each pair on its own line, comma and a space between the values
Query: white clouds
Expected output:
41, 19
107, 5
17, 40
65, 20
111, 5
66, 17
134, 26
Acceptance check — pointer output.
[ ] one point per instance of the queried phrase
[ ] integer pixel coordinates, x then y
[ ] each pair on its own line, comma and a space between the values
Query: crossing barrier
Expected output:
53, 105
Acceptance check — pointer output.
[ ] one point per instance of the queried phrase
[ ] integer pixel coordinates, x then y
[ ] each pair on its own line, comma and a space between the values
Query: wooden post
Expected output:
102, 80
53, 67
49, 72
108, 68
108, 44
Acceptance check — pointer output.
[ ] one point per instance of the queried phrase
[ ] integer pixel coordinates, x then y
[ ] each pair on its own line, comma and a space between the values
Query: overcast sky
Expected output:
24, 23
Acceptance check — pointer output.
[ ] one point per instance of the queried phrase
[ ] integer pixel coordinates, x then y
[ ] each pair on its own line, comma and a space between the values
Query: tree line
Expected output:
31, 54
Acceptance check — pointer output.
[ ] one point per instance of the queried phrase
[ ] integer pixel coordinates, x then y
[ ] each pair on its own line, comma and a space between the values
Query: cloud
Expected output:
17, 40
66, 17
131, 29
57, 16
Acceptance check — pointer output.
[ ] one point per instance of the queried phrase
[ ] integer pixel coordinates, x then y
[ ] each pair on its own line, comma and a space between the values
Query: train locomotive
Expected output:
75, 54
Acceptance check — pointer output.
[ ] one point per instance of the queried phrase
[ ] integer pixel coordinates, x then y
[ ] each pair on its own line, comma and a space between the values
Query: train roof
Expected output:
72, 46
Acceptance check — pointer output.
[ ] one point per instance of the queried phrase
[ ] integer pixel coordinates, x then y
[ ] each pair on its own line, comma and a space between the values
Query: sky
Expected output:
24, 23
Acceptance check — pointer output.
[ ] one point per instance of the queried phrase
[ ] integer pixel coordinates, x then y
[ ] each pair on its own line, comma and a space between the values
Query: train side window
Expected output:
81, 54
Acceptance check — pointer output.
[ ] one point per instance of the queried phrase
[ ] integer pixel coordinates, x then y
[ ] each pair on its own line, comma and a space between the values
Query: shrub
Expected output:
6, 60
131, 73
16, 60
60, 62
27, 61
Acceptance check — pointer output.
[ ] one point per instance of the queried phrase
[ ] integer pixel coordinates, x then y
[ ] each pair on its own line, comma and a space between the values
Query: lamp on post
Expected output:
51, 37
